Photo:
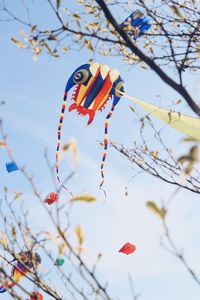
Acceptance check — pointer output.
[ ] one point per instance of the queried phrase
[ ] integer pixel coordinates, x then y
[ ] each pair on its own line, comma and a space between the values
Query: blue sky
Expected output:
33, 93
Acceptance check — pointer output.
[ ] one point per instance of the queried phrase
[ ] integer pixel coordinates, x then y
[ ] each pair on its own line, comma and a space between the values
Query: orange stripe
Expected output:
104, 92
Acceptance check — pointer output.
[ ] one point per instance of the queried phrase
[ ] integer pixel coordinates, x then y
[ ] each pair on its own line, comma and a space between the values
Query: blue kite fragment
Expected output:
135, 24
11, 166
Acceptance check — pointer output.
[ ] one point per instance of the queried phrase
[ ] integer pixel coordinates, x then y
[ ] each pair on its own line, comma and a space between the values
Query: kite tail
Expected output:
105, 145
59, 139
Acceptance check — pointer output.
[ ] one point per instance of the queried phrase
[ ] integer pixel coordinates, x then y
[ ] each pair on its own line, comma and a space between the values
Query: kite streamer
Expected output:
188, 125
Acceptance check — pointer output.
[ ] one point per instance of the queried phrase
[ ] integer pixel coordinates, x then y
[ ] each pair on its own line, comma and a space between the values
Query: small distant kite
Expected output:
128, 248
95, 85
59, 261
51, 198
11, 166
36, 296
136, 24
23, 262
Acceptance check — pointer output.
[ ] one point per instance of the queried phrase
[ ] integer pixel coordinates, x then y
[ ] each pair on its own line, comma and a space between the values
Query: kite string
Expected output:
105, 145
59, 140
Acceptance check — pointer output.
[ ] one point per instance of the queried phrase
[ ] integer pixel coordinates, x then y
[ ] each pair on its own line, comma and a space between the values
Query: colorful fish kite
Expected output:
95, 84
23, 262
11, 166
128, 248
36, 296
136, 24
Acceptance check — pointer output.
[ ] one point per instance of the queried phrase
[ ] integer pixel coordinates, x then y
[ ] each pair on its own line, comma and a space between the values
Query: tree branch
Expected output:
168, 80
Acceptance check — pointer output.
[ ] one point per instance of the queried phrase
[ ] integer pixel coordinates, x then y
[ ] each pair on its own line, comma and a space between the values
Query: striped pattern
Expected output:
105, 143
14, 279
59, 139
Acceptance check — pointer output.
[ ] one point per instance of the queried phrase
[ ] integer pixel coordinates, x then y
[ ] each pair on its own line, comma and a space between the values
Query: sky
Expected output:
33, 92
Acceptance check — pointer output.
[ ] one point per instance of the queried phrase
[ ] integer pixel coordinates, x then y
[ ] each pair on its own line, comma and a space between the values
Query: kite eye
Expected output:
80, 76
119, 87
77, 76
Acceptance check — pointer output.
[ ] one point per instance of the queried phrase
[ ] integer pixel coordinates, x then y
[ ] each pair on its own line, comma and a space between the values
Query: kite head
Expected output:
95, 84
80, 76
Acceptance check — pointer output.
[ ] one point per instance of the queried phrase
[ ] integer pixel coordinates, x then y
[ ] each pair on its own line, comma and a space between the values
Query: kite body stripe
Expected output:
94, 91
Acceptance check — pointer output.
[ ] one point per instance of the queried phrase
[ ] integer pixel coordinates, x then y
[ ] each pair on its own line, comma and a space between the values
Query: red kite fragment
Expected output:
36, 296
51, 198
128, 248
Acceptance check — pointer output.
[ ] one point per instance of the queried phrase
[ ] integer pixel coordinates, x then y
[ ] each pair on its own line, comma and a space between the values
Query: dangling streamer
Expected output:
59, 139
105, 144
188, 125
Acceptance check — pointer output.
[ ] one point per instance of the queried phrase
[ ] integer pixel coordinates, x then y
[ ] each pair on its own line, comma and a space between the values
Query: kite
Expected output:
95, 85
36, 296
51, 198
23, 262
128, 248
59, 261
135, 24
11, 166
